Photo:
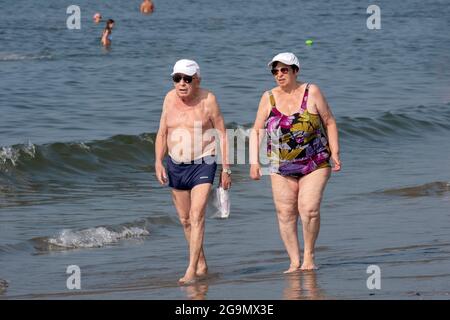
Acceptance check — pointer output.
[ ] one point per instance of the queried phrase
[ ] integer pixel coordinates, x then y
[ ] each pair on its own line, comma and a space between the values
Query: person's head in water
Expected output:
147, 7
109, 24
186, 78
97, 17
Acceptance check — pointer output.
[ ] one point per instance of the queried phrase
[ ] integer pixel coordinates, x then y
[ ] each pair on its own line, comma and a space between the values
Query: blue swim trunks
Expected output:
185, 176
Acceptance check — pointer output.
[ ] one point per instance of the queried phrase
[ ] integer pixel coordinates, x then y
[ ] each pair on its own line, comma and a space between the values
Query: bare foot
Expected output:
189, 277
292, 268
308, 262
201, 270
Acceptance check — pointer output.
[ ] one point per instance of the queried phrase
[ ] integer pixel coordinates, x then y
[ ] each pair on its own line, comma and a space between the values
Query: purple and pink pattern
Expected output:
298, 152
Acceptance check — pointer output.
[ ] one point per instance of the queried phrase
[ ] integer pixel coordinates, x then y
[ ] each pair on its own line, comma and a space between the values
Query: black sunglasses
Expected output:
177, 78
283, 70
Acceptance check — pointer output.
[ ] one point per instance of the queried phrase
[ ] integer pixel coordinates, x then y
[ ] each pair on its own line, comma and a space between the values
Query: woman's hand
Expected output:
336, 161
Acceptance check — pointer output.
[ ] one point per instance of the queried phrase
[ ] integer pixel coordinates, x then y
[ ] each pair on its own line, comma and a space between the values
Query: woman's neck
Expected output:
291, 88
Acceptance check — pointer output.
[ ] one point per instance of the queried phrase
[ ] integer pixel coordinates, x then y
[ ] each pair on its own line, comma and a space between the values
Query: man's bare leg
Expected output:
182, 202
199, 199
285, 193
311, 188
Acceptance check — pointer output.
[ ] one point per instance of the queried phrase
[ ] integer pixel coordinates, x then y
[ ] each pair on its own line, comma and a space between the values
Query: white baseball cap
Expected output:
187, 67
287, 58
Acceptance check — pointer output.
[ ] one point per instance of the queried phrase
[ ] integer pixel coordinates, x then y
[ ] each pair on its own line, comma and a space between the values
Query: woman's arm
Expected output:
329, 122
256, 136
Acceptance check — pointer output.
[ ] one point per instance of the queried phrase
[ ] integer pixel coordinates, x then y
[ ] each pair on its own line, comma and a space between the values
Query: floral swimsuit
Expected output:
296, 144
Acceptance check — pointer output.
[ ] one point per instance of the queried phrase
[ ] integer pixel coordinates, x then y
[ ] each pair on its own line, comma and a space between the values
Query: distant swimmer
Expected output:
147, 7
97, 18
106, 36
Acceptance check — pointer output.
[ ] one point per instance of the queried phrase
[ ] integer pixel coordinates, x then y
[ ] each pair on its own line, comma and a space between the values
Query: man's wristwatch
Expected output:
226, 170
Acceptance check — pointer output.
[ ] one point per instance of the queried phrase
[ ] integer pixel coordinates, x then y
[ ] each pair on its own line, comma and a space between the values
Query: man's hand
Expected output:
160, 173
255, 171
225, 180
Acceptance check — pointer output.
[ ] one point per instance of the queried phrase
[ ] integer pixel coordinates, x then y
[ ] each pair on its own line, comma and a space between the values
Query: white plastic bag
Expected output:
220, 203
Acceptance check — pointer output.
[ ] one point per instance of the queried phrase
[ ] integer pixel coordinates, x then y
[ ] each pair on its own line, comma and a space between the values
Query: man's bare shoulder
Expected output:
205, 93
208, 96
170, 96
171, 93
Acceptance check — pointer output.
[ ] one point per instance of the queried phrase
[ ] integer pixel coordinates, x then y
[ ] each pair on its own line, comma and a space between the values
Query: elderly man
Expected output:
189, 112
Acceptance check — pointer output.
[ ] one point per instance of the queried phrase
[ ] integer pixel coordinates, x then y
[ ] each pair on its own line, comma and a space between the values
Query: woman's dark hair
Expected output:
293, 66
109, 22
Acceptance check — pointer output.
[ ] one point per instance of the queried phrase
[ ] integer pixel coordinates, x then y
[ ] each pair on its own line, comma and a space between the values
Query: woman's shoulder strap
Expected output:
271, 99
305, 97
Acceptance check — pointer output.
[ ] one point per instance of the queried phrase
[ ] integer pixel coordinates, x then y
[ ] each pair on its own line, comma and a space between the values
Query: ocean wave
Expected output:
95, 237
437, 188
89, 238
138, 150
11, 155
76, 157
412, 122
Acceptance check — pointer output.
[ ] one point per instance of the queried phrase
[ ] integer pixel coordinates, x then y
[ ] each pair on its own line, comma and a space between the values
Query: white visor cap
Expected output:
287, 58
187, 67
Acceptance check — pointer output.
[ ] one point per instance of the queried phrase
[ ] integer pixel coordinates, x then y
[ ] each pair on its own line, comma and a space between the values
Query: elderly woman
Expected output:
302, 137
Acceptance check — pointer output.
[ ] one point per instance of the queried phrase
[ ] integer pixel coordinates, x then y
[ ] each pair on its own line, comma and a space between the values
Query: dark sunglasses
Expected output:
177, 78
283, 70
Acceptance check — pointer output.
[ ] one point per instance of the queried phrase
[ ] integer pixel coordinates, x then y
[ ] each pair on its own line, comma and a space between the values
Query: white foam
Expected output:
12, 154
9, 153
94, 237
19, 57
147, 138
81, 145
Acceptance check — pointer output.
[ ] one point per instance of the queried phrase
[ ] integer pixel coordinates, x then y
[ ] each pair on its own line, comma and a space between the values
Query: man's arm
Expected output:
161, 145
219, 125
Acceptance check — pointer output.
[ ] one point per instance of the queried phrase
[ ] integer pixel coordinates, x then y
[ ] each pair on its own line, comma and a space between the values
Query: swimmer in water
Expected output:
97, 18
147, 7
106, 36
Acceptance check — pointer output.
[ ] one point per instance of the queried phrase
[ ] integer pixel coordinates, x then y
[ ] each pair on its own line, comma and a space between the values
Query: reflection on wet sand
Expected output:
302, 285
196, 290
